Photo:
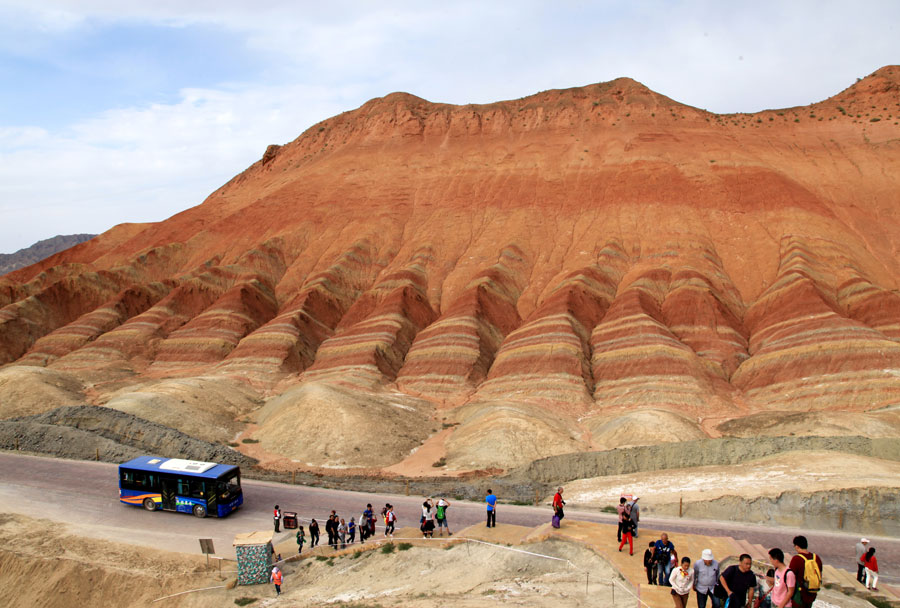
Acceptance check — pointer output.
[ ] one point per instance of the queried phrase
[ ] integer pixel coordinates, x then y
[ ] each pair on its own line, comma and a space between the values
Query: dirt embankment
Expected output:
874, 511
705, 452
42, 565
86, 431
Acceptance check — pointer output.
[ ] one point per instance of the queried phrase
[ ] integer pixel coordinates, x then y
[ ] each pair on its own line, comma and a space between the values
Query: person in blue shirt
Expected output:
491, 501
663, 552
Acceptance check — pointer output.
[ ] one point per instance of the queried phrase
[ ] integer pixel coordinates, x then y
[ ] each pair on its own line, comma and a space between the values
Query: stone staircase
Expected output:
846, 582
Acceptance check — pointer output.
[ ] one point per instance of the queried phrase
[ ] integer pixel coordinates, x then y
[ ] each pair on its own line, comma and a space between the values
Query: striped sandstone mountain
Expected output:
539, 275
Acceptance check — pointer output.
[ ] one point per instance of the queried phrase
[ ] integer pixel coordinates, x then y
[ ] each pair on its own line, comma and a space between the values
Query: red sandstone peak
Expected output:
548, 263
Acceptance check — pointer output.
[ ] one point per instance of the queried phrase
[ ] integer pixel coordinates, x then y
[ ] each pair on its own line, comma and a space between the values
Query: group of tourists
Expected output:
434, 514
340, 532
795, 584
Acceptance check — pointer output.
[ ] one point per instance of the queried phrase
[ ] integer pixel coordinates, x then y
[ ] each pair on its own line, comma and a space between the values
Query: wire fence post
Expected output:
612, 585
587, 577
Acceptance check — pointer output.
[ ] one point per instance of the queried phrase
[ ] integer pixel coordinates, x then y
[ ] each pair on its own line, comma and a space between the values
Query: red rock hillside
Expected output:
536, 272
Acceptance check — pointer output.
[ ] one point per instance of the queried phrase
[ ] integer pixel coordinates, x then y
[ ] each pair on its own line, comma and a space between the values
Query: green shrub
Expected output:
388, 548
249, 440
404, 546
244, 601
875, 119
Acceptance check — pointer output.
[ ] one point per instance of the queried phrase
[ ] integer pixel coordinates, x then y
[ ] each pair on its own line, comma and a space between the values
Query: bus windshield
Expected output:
230, 485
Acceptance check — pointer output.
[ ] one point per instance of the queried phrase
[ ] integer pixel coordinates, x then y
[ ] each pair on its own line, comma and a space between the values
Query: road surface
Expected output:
84, 495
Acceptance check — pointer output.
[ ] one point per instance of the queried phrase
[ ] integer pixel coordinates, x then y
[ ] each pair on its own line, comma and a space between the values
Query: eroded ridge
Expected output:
452, 356
804, 352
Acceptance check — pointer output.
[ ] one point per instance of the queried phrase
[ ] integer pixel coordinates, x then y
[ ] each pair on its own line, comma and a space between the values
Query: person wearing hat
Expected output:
276, 579
861, 548
706, 575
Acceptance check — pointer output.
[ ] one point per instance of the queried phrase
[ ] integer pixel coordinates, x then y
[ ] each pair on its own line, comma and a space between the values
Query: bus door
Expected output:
168, 487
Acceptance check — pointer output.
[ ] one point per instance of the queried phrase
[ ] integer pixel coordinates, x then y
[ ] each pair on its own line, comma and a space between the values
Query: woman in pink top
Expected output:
785, 580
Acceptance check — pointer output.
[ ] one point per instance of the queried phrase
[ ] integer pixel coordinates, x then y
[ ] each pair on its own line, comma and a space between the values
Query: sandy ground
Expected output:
764, 477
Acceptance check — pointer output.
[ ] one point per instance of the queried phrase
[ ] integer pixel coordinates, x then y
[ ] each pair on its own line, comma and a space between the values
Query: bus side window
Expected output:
152, 482
127, 479
140, 480
197, 488
183, 487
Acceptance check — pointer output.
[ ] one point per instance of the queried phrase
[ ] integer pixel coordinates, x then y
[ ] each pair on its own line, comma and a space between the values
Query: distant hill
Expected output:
40, 250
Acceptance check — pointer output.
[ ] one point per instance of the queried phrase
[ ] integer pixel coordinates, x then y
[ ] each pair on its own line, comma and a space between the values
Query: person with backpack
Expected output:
635, 514
871, 563
785, 581
807, 568
427, 522
366, 523
440, 515
663, 552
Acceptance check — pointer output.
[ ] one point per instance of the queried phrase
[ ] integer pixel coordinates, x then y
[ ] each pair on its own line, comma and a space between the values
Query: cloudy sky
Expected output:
115, 111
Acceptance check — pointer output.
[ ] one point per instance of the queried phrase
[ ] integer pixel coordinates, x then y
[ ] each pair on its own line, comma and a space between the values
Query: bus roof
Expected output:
194, 468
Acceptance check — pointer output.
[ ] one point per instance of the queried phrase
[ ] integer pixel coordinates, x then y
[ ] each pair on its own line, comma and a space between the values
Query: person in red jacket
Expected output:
558, 503
871, 564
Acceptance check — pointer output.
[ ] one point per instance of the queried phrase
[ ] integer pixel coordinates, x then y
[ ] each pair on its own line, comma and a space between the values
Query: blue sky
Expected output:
116, 111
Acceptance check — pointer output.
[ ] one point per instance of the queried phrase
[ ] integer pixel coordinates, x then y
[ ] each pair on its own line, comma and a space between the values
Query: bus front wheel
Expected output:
199, 511
149, 504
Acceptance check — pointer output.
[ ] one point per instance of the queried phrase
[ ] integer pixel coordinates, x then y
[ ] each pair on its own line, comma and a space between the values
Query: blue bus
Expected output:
185, 486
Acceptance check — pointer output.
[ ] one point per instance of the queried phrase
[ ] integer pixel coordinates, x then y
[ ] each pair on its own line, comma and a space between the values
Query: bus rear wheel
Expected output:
149, 504
199, 511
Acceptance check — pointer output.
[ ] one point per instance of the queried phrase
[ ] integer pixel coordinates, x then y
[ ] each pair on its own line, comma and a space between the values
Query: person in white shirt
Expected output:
682, 581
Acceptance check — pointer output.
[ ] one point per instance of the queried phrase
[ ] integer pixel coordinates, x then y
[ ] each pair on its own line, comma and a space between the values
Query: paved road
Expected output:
85, 496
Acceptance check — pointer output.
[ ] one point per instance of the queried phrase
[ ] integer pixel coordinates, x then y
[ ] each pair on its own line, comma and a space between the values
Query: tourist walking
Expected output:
367, 522
785, 580
807, 567
313, 534
861, 548
650, 564
277, 514
331, 530
663, 554
682, 581
276, 578
627, 533
620, 509
390, 521
491, 502
739, 581
342, 533
301, 538
871, 563
351, 531
440, 515
558, 504
635, 514
706, 576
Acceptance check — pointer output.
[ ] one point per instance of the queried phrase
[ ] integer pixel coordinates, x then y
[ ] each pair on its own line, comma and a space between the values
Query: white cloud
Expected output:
144, 164
149, 161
